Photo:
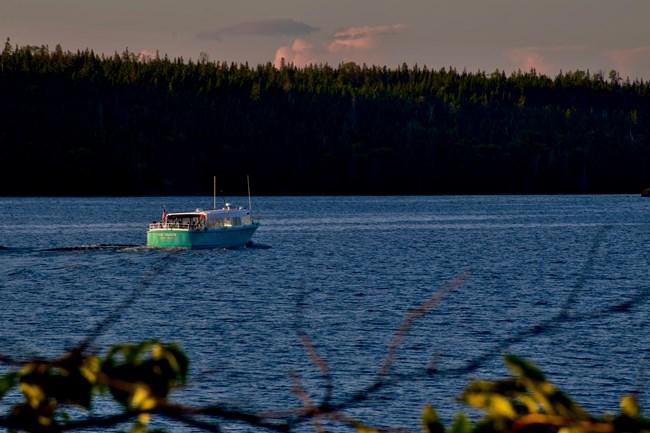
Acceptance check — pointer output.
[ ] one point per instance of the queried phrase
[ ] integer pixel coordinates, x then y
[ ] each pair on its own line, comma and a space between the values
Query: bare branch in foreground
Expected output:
415, 314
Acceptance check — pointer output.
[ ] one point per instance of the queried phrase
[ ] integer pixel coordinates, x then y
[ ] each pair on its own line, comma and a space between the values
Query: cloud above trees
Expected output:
632, 59
271, 27
544, 60
352, 43
361, 37
553, 60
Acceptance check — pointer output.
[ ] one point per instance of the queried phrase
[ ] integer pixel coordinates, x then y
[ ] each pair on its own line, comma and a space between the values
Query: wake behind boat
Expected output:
228, 227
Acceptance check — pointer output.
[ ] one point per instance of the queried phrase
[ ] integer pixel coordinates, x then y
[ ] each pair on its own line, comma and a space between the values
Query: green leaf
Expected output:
630, 406
500, 406
523, 368
179, 362
7, 382
159, 366
564, 406
461, 424
430, 421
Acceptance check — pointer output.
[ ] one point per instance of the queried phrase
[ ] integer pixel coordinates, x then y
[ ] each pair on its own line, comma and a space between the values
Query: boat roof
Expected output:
227, 211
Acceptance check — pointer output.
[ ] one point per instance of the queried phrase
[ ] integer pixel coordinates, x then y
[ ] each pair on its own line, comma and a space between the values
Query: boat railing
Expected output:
169, 226
178, 226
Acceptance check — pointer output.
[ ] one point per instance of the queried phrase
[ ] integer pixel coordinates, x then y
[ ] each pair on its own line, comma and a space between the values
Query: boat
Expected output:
227, 227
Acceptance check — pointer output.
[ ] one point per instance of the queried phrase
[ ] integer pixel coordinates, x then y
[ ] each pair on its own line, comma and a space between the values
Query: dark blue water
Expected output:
346, 271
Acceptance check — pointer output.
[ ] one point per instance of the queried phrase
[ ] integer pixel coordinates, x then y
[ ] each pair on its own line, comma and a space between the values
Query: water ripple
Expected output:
345, 271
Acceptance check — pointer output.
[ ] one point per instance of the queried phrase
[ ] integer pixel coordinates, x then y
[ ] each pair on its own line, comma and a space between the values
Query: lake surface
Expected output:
346, 271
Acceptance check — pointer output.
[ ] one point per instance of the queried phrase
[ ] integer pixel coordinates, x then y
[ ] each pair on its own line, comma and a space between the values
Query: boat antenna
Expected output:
214, 192
248, 183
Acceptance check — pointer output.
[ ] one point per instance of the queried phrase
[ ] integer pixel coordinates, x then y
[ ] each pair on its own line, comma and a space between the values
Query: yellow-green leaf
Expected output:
34, 393
501, 406
524, 368
7, 382
430, 421
44, 420
144, 418
142, 398
90, 368
461, 424
529, 402
28, 368
478, 400
630, 406
156, 351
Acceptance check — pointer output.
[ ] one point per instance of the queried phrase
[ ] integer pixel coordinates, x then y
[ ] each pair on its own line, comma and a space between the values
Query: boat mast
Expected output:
248, 183
214, 192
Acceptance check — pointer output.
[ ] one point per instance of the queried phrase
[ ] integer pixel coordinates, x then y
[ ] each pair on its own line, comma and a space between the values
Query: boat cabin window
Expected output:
215, 223
185, 221
176, 221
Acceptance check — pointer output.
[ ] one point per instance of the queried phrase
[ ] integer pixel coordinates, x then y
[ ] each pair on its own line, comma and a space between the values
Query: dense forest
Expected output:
87, 124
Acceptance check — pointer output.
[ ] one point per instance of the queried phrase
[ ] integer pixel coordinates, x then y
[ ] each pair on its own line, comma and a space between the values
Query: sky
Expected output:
551, 36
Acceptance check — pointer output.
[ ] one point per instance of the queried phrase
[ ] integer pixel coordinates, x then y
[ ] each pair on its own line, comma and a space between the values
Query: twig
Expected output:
413, 315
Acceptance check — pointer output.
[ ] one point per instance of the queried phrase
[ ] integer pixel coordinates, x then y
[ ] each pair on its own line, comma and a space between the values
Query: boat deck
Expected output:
175, 226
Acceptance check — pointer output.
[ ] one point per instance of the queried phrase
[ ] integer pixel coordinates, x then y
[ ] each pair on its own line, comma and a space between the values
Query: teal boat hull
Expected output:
230, 237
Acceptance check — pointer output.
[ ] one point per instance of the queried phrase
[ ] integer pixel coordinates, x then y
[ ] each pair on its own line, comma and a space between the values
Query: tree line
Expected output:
79, 123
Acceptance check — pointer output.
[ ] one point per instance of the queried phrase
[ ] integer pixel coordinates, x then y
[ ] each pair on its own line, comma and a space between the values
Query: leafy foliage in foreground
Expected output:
529, 403
140, 377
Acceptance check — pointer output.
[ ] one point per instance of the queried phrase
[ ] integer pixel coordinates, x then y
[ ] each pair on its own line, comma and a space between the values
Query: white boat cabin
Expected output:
199, 219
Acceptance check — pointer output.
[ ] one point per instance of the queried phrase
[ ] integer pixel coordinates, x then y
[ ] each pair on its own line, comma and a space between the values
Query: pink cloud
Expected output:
300, 54
625, 61
550, 60
146, 55
356, 38
350, 43
528, 58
